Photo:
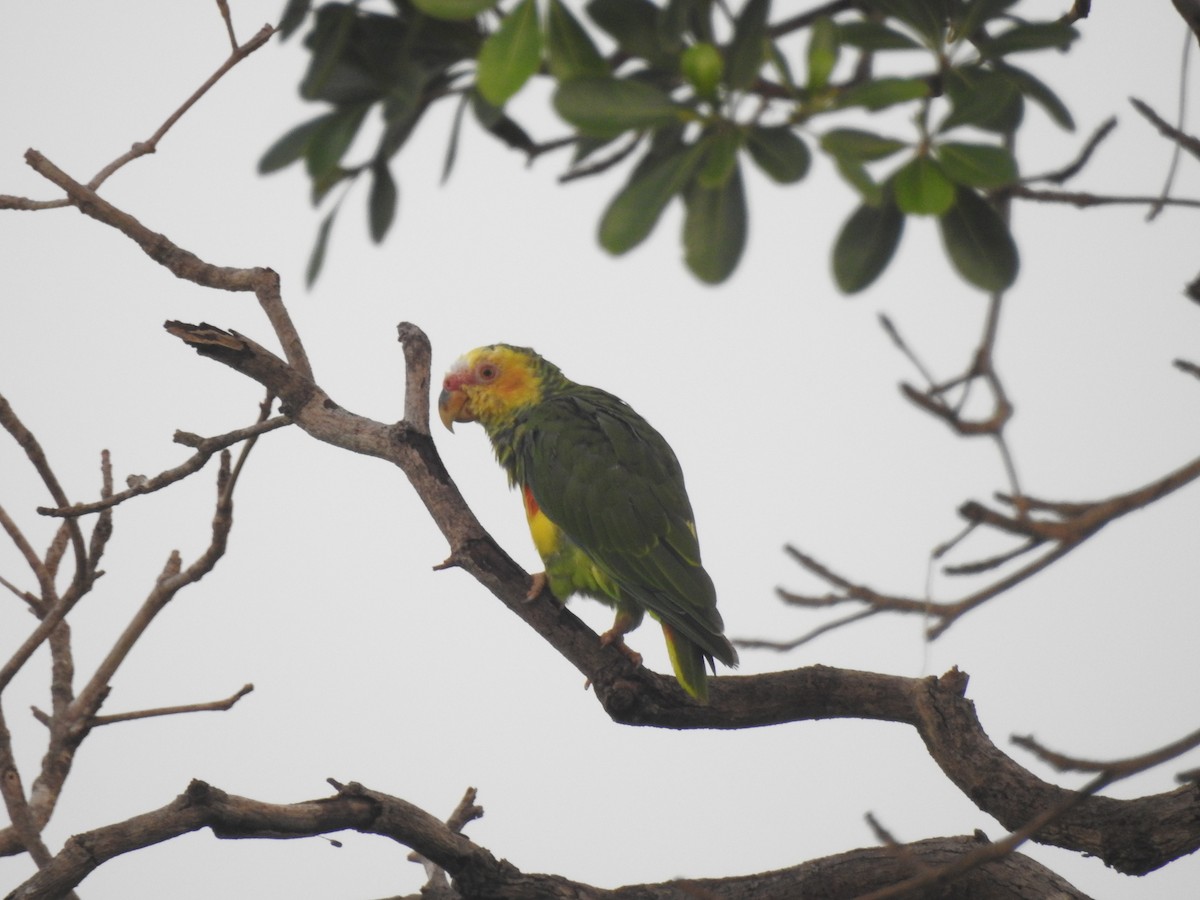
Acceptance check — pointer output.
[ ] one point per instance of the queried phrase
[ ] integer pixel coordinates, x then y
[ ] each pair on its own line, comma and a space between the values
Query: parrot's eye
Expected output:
487, 372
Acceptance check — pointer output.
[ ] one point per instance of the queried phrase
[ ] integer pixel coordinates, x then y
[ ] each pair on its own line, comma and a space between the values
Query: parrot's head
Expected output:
490, 384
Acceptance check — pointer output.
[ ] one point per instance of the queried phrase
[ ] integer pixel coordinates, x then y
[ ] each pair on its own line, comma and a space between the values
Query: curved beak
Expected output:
453, 406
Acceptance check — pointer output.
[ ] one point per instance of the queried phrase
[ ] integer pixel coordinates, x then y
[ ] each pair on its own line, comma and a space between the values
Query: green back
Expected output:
603, 475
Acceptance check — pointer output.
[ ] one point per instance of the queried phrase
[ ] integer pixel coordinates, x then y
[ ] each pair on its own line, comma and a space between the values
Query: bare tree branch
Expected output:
205, 448
264, 283
477, 873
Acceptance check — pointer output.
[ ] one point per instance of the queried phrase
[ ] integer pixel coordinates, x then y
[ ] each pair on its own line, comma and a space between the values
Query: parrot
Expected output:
604, 497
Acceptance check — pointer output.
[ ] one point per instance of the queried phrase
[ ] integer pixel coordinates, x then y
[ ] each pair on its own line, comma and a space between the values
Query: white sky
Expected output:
778, 395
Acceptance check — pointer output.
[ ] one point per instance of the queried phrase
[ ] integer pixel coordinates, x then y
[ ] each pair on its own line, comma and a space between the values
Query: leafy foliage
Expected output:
694, 91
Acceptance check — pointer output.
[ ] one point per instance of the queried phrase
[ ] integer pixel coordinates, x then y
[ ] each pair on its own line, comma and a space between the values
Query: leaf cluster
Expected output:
695, 94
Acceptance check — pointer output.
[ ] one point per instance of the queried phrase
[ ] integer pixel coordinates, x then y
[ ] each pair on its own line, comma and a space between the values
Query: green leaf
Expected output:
673, 24
781, 155
748, 48
1031, 36
293, 15
874, 36
720, 156
856, 144
633, 24
714, 229
327, 42
921, 188
322, 184
1040, 94
977, 165
291, 146
635, 210
316, 259
976, 13
571, 53
822, 52
703, 67
605, 107
453, 10
510, 55
866, 244
455, 132
982, 98
926, 17
499, 125
978, 242
332, 138
857, 176
884, 92
381, 205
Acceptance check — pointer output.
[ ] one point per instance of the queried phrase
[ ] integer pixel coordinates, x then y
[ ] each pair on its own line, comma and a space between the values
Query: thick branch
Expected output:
477, 873
1131, 835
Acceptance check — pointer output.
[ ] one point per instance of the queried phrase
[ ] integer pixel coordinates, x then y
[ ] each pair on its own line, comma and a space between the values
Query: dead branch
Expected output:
211, 706
205, 448
1073, 168
263, 283
1118, 768
1186, 141
1061, 528
477, 873
150, 145
73, 717
436, 878
1084, 200
637, 696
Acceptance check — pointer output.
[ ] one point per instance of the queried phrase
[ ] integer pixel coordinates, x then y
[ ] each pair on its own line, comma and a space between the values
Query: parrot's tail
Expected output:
690, 663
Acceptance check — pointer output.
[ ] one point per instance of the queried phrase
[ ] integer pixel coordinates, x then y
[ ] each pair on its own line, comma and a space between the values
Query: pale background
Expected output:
778, 395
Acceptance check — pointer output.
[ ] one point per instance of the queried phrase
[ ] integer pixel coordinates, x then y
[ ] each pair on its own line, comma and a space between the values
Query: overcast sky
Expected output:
778, 395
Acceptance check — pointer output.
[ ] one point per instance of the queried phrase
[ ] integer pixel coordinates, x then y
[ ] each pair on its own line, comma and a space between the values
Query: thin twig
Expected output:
150, 145
1084, 200
211, 706
223, 6
1061, 176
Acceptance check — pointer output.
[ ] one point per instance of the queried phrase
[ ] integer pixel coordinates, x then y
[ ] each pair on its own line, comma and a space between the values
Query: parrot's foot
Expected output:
537, 584
615, 638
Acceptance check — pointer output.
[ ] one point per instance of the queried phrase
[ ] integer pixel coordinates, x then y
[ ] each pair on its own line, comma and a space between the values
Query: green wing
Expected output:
602, 474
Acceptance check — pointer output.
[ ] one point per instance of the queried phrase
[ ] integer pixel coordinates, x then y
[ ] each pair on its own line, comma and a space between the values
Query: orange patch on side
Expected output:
531, 505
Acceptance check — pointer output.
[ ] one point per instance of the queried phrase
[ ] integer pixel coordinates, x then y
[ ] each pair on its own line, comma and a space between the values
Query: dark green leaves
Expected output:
977, 165
331, 138
714, 228
634, 212
921, 188
1031, 36
884, 92
748, 49
633, 24
780, 154
983, 98
978, 242
571, 51
856, 144
605, 107
868, 35
696, 88
453, 9
381, 205
510, 55
291, 146
866, 244
822, 53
